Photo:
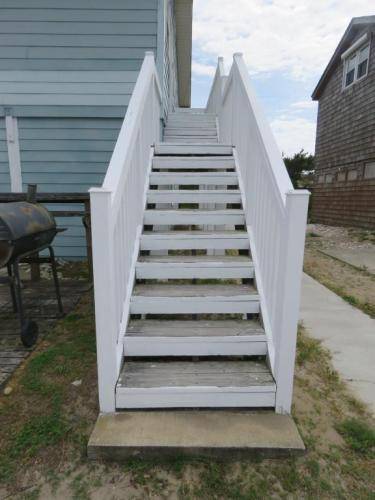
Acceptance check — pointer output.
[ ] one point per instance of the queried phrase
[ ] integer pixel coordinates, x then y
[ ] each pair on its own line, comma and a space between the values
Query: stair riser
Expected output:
200, 305
176, 162
150, 243
209, 346
197, 130
195, 197
193, 179
161, 218
173, 272
167, 149
193, 122
170, 398
192, 140
203, 134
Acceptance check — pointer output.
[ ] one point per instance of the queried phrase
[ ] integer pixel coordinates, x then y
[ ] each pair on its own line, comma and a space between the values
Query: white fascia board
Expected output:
355, 46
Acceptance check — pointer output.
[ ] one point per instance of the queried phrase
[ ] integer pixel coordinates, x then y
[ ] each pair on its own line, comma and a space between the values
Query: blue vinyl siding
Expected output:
67, 72
4, 164
67, 155
82, 35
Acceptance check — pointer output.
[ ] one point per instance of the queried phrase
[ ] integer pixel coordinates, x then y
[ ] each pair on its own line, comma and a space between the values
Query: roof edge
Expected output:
356, 21
184, 35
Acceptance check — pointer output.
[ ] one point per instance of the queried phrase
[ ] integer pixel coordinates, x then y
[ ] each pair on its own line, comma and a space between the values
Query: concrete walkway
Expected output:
359, 257
347, 332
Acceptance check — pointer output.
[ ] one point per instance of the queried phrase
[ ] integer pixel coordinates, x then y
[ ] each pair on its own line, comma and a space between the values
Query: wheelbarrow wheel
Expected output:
29, 333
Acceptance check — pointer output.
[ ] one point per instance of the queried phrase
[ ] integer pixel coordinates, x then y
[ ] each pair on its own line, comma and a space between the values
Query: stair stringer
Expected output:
257, 275
132, 274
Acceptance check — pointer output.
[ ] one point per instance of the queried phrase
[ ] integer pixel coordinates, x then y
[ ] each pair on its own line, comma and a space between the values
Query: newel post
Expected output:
291, 263
104, 289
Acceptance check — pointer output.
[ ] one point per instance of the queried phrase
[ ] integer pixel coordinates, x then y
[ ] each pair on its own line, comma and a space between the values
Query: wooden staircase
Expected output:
195, 335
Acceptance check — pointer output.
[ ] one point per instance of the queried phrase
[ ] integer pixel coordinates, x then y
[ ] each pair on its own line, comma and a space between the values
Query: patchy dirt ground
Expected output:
355, 285
344, 237
47, 418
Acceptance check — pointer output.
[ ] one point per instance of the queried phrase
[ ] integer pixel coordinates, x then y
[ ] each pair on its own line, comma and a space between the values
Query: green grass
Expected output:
313, 235
46, 380
48, 436
80, 488
44, 430
308, 349
358, 435
366, 307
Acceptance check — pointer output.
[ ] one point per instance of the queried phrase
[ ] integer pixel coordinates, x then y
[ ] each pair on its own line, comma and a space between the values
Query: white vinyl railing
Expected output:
116, 223
275, 216
217, 89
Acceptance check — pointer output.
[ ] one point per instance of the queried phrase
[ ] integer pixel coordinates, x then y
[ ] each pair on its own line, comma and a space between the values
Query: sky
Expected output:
286, 45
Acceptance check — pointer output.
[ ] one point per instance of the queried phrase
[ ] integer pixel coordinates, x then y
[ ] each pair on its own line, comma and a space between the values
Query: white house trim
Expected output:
355, 46
14, 157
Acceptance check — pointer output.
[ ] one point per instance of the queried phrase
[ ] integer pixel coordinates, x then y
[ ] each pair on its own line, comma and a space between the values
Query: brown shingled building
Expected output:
344, 187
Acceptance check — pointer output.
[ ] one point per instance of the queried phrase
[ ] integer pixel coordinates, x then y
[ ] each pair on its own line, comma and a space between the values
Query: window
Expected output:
321, 179
350, 70
341, 176
370, 170
329, 178
356, 65
352, 175
363, 58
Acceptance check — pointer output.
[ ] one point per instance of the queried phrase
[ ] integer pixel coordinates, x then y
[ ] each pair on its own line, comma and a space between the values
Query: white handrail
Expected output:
116, 223
275, 217
214, 99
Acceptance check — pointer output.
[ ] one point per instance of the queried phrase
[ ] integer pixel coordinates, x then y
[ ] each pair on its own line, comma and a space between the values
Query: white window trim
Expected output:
356, 48
14, 156
356, 45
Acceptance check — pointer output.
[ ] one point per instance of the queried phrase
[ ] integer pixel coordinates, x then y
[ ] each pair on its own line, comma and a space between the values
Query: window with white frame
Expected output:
356, 65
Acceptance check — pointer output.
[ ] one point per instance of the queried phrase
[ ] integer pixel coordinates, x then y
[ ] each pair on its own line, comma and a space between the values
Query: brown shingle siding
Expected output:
346, 141
348, 204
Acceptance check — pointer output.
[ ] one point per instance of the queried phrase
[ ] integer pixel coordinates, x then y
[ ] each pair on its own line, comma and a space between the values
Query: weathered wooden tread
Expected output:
194, 196
194, 267
199, 240
191, 163
200, 374
192, 234
192, 149
194, 178
198, 175
236, 260
194, 216
212, 328
220, 292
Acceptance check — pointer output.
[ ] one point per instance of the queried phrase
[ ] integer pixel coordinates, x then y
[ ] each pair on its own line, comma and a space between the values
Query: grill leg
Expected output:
18, 292
56, 279
12, 290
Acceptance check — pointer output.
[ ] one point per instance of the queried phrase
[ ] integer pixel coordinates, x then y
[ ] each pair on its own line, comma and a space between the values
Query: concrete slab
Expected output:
358, 257
347, 332
168, 434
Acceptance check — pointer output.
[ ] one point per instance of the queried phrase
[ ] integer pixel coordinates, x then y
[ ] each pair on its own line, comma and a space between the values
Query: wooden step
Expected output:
194, 338
195, 240
190, 120
194, 178
194, 217
194, 267
191, 140
194, 299
192, 149
188, 125
201, 384
191, 131
191, 163
194, 196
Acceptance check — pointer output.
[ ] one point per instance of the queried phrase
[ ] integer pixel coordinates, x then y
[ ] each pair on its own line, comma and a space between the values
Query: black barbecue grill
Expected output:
25, 229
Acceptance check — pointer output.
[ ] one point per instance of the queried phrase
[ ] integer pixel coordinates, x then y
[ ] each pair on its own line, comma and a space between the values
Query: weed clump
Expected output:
358, 435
